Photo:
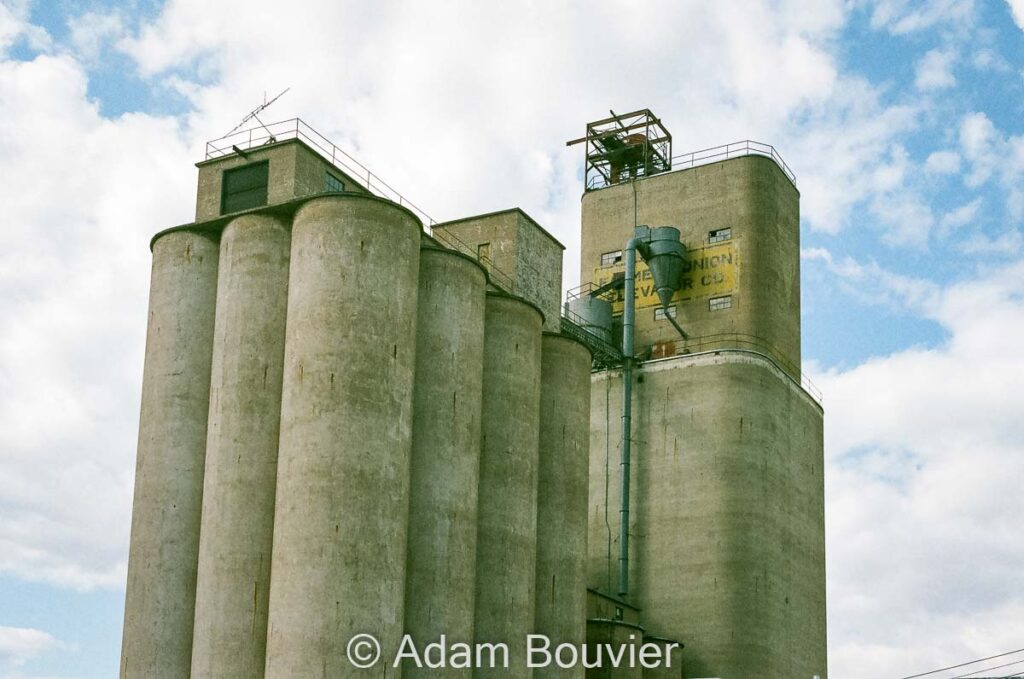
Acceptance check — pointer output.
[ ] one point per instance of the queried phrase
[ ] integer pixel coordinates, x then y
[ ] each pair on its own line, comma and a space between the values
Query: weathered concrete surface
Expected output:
563, 461
615, 634
160, 597
441, 559
507, 515
728, 521
346, 432
526, 259
229, 639
295, 171
756, 200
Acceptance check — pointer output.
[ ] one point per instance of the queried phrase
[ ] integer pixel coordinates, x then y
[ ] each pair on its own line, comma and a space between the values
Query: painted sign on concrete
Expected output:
707, 272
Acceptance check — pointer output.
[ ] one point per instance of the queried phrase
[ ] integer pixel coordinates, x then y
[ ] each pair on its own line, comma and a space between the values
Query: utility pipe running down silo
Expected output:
661, 249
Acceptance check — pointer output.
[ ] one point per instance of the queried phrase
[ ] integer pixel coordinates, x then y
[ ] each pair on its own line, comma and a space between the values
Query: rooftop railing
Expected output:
295, 128
736, 149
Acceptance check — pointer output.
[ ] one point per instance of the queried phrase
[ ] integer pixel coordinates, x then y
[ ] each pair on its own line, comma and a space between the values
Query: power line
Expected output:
988, 669
963, 664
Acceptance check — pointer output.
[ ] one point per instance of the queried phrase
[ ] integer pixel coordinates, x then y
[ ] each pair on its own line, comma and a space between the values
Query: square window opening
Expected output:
332, 183
245, 187
720, 303
611, 258
661, 313
719, 235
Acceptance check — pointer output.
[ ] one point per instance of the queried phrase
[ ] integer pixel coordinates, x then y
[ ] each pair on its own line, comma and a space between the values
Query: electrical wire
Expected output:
964, 664
987, 669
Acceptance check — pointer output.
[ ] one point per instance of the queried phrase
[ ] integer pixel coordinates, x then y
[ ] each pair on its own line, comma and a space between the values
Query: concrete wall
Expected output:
527, 260
752, 196
562, 496
233, 583
728, 512
441, 557
507, 513
341, 515
160, 597
296, 171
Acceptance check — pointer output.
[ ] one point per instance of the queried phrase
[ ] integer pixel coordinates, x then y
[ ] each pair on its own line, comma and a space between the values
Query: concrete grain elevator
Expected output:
358, 421
725, 505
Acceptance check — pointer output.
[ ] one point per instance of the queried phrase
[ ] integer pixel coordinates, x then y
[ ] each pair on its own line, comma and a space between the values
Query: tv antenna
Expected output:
254, 115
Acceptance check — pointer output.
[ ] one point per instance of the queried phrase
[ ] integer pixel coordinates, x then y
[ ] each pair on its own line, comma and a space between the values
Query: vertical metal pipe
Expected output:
628, 312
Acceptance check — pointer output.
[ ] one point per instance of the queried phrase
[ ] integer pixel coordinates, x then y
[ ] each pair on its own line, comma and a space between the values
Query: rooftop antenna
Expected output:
254, 115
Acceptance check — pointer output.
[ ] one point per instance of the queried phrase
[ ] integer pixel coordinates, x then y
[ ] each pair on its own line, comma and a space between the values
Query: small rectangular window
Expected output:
611, 258
332, 183
720, 303
660, 313
719, 235
244, 188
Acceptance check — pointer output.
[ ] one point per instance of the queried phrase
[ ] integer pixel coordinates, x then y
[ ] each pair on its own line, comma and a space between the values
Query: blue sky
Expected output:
902, 121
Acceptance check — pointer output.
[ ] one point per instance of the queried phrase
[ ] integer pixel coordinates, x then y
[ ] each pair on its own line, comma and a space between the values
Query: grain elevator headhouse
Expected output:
706, 519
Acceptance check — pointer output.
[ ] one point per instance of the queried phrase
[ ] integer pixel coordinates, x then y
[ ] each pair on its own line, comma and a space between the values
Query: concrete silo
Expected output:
341, 517
160, 596
562, 473
441, 558
241, 453
507, 516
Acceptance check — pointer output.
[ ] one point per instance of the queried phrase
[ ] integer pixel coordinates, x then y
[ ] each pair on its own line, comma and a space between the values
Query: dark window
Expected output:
332, 183
611, 258
719, 235
244, 187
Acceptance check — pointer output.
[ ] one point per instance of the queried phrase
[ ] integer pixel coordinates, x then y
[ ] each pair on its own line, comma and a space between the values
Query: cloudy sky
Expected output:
903, 121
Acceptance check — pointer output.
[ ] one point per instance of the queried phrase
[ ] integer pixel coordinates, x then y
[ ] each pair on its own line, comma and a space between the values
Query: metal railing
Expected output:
604, 354
753, 343
295, 128
736, 149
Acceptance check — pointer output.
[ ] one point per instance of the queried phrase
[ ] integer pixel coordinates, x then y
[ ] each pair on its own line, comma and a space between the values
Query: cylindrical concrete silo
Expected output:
507, 513
229, 638
341, 514
441, 559
160, 598
561, 598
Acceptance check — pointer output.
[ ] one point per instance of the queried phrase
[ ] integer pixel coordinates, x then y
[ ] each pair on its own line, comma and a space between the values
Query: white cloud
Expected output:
92, 31
987, 59
1017, 9
18, 645
924, 460
82, 195
1008, 243
909, 16
874, 285
978, 139
961, 216
942, 162
15, 27
934, 71
993, 154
